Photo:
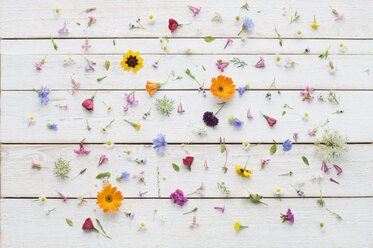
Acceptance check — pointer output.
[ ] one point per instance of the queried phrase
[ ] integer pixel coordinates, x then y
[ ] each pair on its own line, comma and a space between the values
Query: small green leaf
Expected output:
107, 64
103, 175
273, 149
176, 167
69, 222
283, 113
209, 38
305, 160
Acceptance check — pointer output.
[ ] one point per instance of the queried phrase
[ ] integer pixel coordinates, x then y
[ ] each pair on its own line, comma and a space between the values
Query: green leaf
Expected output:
305, 160
176, 167
103, 175
273, 149
283, 113
69, 222
209, 38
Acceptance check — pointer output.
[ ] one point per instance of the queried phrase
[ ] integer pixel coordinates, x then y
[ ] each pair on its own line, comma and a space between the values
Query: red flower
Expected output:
188, 161
88, 225
271, 121
88, 104
172, 25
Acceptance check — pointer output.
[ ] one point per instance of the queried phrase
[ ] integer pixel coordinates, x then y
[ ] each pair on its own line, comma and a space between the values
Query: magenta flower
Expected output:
221, 65
194, 10
103, 158
65, 198
306, 94
141, 194
178, 197
81, 149
249, 116
38, 66
339, 169
91, 20
260, 63
324, 167
180, 109
229, 41
222, 209
86, 45
264, 162
130, 100
332, 68
289, 216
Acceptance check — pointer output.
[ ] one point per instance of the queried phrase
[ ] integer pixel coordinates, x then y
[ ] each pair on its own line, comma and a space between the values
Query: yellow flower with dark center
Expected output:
222, 87
109, 199
243, 172
131, 60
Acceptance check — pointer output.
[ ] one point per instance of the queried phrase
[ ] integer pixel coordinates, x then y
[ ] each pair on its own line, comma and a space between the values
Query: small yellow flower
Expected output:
138, 125
243, 172
321, 224
165, 48
237, 18
151, 17
341, 45
142, 225
57, 11
278, 58
299, 32
314, 25
31, 118
237, 226
305, 114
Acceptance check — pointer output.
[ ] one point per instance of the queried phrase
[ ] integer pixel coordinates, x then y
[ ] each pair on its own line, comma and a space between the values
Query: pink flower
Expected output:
65, 198
180, 109
205, 165
338, 16
264, 162
221, 65
249, 116
141, 194
271, 121
88, 225
130, 100
82, 149
229, 41
103, 158
312, 133
306, 93
194, 10
295, 136
339, 169
140, 176
88, 103
38, 66
260, 63
91, 20
324, 167
222, 209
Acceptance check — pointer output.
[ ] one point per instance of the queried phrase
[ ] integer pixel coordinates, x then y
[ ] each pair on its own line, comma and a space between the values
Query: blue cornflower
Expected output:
241, 90
160, 143
287, 145
43, 94
247, 24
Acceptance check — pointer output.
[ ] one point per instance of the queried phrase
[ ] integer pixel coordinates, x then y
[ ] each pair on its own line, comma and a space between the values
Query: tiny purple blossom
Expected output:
237, 123
124, 175
260, 63
241, 90
103, 158
289, 216
178, 197
63, 30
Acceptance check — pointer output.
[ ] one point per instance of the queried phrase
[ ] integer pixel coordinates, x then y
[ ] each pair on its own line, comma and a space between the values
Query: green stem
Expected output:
222, 105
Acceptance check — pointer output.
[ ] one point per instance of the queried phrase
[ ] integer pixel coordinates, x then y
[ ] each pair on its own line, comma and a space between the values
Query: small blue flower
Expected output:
287, 145
43, 94
52, 126
237, 123
241, 90
124, 175
247, 23
160, 143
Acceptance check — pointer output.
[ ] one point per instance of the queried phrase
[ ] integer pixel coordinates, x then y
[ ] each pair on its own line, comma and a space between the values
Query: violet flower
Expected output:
210, 119
52, 126
178, 197
63, 30
247, 24
287, 145
241, 90
160, 143
89, 66
289, 216
43, 94
123, 175
235, 121
103, 158
130, 99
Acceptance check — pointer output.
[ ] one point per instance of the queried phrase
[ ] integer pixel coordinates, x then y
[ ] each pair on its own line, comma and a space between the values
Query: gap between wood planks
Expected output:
190, 90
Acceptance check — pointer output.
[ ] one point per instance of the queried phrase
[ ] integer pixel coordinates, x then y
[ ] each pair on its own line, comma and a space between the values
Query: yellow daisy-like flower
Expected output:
109, 199
237, 226
243, 172
222, 87
131, 60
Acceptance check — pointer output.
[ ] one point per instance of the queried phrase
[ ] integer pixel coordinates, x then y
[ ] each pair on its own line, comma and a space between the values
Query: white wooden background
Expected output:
25, 29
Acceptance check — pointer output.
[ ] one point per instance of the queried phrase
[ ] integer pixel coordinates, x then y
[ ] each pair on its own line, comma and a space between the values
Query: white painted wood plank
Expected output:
25, 224
180, 45
18, 106
309, 70
38, 19
19, 180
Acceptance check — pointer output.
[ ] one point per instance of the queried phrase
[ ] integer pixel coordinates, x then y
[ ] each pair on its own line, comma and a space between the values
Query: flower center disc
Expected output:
109, 198
131, 61
221, 89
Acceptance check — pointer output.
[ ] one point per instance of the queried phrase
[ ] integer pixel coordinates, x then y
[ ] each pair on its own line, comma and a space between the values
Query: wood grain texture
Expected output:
19, 180
17, 106
38, 18
29, 221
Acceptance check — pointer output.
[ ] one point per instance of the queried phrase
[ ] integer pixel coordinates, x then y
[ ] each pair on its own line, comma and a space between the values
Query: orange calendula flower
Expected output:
222, 87
131, 60
151, 88
109, 199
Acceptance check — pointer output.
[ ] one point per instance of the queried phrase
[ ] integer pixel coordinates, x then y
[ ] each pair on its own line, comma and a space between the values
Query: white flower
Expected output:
150, 19
278, 192
201, 131
42, 199
300, 181
245, 145
109, 144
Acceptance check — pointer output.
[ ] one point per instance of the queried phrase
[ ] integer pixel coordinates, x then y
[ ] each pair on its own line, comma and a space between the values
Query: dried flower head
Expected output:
331, 145
164, 105
61, 168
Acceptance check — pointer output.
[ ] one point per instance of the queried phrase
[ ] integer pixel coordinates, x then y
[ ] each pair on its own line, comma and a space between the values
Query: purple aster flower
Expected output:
247, 24
288, 216
210, 119
43, 94
178, 197
287, 145
160, 143
241, 90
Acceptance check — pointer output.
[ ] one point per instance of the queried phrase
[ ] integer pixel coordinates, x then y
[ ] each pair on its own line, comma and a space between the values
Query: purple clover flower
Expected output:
178, 197
160, 143
286, 146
